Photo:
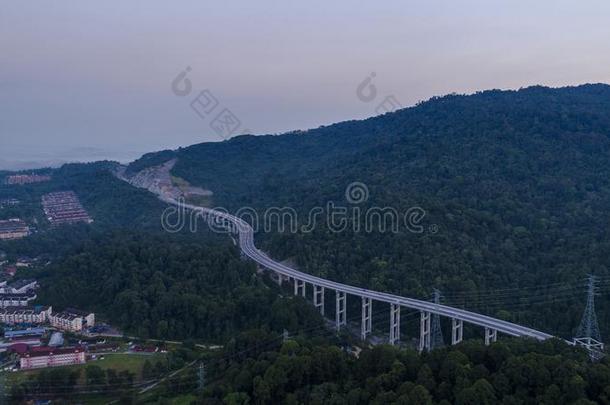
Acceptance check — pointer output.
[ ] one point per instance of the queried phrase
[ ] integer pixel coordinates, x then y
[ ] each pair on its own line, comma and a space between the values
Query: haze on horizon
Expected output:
88, 81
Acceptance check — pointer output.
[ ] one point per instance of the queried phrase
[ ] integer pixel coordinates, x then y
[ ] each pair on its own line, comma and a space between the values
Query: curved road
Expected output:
246, 244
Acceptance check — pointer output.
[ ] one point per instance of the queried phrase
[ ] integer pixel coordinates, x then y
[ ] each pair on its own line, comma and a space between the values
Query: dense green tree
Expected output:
169, 287
94, 375
552, 373
481, 392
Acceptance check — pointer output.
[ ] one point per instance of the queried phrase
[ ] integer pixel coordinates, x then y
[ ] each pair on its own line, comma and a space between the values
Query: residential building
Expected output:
13, 229
9, 202
20, 315
16, 300
26, 178
19, 286
24, 333
25, 261
44, 356
64, 208
72, 320
10, 271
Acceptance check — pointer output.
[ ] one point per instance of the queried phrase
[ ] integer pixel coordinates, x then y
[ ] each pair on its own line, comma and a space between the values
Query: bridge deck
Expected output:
246, 243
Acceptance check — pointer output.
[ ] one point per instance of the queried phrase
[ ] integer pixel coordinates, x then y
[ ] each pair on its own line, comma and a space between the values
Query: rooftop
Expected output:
71, 314
64, 206
23, 310
13, 225
78, 312
17, 296
21, 283
51, 351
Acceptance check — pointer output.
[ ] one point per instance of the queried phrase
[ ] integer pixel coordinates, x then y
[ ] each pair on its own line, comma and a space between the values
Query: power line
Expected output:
510, 291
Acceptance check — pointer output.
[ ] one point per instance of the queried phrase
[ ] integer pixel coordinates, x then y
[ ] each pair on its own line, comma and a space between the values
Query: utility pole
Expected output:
588, 334
436, 332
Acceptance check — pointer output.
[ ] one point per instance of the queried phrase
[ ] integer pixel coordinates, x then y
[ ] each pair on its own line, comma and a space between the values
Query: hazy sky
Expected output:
92, 79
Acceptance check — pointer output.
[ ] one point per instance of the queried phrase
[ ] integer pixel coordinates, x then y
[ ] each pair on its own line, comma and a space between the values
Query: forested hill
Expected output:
490, 128
518, 183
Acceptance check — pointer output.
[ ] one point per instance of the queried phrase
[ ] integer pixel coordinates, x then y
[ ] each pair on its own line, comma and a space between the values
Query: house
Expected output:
25, 261
103, 347
44, 356
72, 320
10, 271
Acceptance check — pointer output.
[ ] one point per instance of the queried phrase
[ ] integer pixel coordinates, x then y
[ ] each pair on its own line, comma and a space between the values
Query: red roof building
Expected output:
19, 348
44, 356
10, 270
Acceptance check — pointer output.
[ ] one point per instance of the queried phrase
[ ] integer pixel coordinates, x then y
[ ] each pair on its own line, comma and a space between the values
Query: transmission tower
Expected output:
588, 334
436, 340
201, 377
3, 391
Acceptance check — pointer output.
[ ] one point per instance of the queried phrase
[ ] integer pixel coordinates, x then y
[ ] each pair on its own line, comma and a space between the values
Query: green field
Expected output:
116, 361
130, 362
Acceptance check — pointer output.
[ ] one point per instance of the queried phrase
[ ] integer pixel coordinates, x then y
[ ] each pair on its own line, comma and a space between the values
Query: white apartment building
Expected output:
16, 300
72, 320
18, 315
19, 286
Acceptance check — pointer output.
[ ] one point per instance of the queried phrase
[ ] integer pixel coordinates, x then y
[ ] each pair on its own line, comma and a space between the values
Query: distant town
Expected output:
59, 208
26, 178
33, 334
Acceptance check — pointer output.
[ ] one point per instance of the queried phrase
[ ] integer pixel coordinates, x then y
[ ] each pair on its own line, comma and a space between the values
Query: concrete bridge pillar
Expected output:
424, 331
457, 331
394, 323
299, 287
367, 317
491, 335
341, 309
318, 298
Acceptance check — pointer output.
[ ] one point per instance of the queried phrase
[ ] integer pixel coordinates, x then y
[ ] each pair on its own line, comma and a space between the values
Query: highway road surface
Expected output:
247, 246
